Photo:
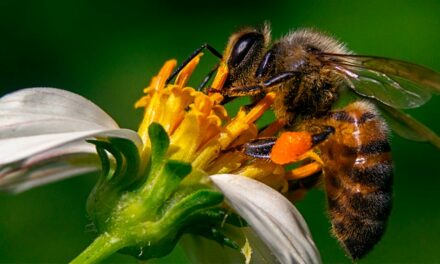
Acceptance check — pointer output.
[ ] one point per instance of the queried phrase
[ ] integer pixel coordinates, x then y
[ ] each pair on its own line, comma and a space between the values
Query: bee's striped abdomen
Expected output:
358, 177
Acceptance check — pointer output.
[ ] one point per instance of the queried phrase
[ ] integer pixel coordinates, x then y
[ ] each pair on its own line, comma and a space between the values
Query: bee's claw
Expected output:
319, 137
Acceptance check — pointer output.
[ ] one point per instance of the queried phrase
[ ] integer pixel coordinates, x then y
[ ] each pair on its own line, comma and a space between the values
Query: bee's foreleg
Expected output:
192, 56
207, 77
250, 90
280, 78
264, 87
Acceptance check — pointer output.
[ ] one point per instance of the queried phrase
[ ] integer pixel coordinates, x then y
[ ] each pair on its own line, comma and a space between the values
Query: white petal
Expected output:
19, 148
43, 133
37, 111
274, 219
26, 162
50, 166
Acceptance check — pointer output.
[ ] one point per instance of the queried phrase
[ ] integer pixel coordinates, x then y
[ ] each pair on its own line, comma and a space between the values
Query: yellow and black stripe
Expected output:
358, 175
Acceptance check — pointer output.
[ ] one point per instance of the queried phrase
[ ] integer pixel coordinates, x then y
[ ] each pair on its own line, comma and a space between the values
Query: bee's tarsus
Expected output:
207, 77
260, 147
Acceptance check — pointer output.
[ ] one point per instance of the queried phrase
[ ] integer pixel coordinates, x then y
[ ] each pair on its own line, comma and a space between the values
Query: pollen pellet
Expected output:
290, 146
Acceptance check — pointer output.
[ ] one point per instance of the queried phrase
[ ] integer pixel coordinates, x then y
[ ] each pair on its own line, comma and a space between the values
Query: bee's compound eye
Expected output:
243, 46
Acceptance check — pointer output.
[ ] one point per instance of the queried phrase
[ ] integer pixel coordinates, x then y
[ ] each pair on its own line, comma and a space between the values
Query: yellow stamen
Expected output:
304, 171
186, 72
220, 77
200, 130
243, 120
273, 128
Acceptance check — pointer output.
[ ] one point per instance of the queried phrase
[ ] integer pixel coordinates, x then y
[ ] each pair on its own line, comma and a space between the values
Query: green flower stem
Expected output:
103, 246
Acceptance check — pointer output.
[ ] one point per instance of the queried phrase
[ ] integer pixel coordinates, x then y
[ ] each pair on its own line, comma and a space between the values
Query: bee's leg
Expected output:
257, 89
207, 77
192, 56
250, 90
296, 146
290, 147
259, 148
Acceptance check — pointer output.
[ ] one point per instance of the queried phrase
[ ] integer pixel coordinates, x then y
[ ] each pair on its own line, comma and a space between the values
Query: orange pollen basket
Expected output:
290, 146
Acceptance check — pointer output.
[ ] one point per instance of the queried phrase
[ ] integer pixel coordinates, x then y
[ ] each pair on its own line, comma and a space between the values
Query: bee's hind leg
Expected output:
290, 147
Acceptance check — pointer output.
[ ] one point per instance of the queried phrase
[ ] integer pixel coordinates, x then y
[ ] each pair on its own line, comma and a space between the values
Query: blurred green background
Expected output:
108, 50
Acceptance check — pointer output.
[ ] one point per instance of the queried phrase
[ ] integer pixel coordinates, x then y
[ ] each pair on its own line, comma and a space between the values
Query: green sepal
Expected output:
167, 230
211, 223
173, 172
222, 215
160, 143
127, 159
131, 163
102, 146
189, 205
163, 182
117, 175
105, 162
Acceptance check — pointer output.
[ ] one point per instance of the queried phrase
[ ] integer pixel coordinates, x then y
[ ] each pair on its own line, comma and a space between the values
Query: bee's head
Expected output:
244, 52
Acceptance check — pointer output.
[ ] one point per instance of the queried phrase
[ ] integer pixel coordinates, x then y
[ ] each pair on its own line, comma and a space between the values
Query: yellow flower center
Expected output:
201, 131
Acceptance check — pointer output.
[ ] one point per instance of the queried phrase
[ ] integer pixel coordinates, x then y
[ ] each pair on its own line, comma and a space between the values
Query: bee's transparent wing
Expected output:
395, 83
408, 127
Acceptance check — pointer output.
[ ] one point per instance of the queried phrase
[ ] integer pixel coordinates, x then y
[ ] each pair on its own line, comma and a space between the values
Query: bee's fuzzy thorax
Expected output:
316, 39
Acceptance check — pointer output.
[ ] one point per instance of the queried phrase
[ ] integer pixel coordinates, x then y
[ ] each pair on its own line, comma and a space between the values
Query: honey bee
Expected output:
312, 74
309, 71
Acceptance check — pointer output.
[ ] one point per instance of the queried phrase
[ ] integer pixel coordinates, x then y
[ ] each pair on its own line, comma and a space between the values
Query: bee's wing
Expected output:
400, 122
395, 83
408, 127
